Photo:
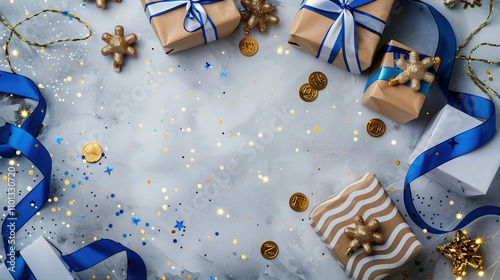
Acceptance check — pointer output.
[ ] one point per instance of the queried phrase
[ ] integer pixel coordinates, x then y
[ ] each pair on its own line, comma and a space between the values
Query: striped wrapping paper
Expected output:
367, 198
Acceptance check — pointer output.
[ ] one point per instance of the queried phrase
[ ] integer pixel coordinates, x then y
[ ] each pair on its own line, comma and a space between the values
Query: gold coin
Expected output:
307, 93
318, 80
375, 127
269, 250
248, 46
92, 152
298, 202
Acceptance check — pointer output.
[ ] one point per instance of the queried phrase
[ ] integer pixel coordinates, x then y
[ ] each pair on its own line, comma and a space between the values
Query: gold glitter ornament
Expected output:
463, 252
119, 45
258, 12
414, 70
449, 3
363, 235
101, 4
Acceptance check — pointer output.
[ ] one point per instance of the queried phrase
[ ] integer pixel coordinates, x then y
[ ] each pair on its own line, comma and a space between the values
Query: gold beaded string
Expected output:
484, 88
13, 31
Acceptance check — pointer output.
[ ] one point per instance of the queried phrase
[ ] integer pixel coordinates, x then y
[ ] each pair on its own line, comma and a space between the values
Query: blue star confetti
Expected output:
453, 143
223, 74
211, 278
58, 140
108, 170
208, 65
179, 225
135, 221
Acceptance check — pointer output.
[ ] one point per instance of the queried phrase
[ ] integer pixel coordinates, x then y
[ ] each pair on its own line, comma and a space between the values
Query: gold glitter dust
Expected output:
164, 207
220, 211
164, 190
208, 237
480, 273
398, 163
393, 142
147, 62
68, 213
56, 198
166, 197
71, 202
308, 132
79, 95
355, 139
392, 189
69, 79
243, 257
292, 112
171, 70
165, 135
280, 50
149, 182
356, 132
165, 149
188, 129
424, 230
221, 167
459, 216
488, 72
490, 79
199, 186
219, 144
452, 202
15, 53
158, 213
250, 144
296, 149
66, 182
176, 189
11, 162
30, 172
316, 129
279, 128
235, 241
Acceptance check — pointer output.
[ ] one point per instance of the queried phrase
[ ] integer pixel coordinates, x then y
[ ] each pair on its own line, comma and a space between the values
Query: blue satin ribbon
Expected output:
196, 17
12, 139
385, 73
342, 33
469, 140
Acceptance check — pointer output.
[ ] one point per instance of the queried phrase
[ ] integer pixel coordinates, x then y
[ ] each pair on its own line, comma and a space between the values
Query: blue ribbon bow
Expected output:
12, 139
469, 140
196, 16
342, 32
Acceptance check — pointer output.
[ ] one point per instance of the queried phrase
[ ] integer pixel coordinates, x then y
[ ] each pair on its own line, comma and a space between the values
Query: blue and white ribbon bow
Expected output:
342, 33
196, 16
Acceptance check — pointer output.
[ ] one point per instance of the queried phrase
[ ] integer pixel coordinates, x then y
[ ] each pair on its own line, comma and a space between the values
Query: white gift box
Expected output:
44, 260
470, 174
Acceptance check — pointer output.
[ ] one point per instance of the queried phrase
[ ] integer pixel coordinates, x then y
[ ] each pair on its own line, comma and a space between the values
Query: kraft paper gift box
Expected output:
470, 174
399, 103
367, 198
44, 261
170, 25
315, 30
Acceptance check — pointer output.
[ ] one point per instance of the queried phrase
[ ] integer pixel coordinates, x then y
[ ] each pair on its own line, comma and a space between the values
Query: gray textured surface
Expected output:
212, 120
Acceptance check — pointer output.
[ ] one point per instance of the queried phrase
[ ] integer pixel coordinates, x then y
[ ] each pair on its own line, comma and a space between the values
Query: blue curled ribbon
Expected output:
385, 73
196, 16
13, 139
469, 140
342, 32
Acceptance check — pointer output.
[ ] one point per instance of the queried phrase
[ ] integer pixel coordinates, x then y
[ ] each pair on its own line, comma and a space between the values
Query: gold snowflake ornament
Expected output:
414, 70
118, 45
258, 12
363, 235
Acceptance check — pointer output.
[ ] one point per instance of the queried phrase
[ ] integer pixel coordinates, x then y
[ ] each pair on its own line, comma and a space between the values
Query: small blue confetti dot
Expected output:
112, 195
117, 214
73, 186
110, 225
217, 234
86, 178
147, 224
5, 209
175, 240
121, 211
66, 173
83, 157
143, 243
124, 235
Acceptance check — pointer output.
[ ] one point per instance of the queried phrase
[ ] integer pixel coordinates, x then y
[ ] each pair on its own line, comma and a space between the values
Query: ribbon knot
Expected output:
196, 16
342, 32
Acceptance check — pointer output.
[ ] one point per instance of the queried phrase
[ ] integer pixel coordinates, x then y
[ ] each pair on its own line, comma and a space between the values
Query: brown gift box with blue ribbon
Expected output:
398, 103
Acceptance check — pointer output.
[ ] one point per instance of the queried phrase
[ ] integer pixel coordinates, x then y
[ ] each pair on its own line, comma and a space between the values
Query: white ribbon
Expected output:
345, 24
196, 16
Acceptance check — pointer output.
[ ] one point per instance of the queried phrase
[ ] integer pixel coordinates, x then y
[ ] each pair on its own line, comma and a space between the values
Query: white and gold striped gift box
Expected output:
367, 198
